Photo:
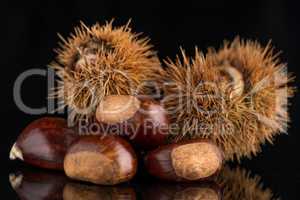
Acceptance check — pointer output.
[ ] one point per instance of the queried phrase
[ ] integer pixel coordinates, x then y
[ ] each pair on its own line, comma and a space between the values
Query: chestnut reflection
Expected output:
92, 192
231, 184
38, 185
182, 191
34, 184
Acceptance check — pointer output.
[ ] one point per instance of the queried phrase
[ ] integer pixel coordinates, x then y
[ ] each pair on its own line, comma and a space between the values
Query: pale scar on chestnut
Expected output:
107, 160
117, 108
92, 167
196, 160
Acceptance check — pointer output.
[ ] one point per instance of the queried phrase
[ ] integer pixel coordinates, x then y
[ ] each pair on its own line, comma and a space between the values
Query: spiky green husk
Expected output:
99, 61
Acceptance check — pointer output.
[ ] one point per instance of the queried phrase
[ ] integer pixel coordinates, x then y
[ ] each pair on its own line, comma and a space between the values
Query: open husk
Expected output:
236, 96
102, 60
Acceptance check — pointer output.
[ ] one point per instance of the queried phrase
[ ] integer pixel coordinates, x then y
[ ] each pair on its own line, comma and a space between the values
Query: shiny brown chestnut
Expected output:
143, 120
194, 160
43, 143
105, 160
91, 192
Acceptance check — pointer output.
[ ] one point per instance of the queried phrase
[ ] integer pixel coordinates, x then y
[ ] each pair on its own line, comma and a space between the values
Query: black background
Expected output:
30, 35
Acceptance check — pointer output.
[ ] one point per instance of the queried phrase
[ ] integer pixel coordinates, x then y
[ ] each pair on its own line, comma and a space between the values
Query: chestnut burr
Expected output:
143, 120
194, 160
43, 143
106, 160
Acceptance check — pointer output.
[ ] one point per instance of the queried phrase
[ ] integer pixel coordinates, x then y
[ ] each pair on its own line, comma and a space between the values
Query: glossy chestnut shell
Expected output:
44, 142
143, 120
194, 160
104, 160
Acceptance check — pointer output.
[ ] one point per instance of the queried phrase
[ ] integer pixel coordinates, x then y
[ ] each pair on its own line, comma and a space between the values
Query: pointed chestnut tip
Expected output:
15, 153
15, 180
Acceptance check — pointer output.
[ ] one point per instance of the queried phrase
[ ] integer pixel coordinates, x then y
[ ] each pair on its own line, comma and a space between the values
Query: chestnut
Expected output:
194, 160
105, 160
143, 120
43, 143
80, 191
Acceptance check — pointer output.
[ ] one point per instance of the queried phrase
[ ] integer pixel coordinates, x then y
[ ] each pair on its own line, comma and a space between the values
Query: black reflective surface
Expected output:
234, 183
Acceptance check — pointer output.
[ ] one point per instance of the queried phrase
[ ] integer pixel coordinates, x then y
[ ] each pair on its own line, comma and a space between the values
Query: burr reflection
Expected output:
240, 184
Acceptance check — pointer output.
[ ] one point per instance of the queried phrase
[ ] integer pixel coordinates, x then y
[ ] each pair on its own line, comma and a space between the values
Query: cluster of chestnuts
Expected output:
110, 159
225, 105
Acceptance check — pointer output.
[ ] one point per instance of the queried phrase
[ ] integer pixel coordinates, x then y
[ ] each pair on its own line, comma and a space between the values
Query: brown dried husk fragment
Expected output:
198, 97
99, 61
